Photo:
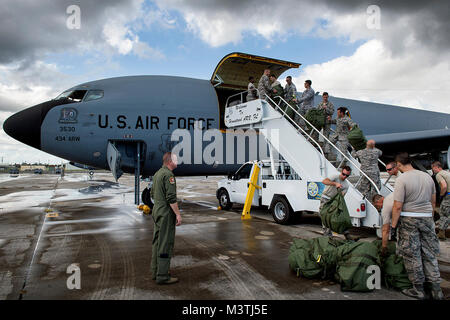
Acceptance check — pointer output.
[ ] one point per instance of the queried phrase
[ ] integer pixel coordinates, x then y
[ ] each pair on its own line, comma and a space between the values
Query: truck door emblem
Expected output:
315, 190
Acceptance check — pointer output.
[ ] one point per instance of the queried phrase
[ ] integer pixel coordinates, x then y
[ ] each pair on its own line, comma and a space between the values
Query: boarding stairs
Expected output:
303, 153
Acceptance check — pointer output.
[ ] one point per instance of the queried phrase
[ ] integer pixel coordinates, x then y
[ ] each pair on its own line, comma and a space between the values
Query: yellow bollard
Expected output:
146, 209
252, 185
52, 215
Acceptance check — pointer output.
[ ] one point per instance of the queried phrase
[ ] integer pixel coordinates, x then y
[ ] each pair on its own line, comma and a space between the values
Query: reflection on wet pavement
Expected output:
217, 256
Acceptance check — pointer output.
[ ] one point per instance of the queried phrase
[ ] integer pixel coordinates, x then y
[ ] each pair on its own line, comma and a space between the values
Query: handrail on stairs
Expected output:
333, 145
298, 127
353, 149
314, 128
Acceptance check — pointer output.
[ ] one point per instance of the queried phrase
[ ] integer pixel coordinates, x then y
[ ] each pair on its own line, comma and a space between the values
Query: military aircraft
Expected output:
125, 124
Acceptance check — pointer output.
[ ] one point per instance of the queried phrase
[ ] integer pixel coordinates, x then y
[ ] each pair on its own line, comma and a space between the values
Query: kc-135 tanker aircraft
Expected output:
125, 124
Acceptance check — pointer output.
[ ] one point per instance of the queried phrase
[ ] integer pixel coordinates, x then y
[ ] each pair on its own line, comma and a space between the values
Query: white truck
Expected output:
283, 191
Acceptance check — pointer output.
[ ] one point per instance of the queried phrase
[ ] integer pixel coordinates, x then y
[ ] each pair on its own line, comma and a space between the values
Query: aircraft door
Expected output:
114, 159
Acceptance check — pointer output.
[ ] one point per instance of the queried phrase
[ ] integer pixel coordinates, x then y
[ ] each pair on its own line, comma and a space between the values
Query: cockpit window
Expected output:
93, 95
74, 95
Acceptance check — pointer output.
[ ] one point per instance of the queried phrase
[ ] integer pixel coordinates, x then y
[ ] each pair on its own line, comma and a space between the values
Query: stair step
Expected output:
353, 179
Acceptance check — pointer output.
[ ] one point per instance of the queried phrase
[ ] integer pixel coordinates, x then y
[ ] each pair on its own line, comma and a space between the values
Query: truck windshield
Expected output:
244, 172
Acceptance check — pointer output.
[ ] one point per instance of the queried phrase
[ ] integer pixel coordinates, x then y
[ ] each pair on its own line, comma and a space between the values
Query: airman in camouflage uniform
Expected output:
412, 215
166, 216
368, 158
252, 94
443, 178
306, 102
343, 126
264, 85
290, 94
419, 255
328, 111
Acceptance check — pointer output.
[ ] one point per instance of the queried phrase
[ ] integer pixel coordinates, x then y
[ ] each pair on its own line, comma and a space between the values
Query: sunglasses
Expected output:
389, 169
345, 175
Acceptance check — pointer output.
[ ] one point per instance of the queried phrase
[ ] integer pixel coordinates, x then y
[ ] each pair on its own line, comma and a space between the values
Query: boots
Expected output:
441, 234
436, 292
171, 280
415, 292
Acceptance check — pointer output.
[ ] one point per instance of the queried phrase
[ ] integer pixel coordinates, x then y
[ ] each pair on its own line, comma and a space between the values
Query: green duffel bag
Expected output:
316, 117
356, 138
325, 254
315, 258
301, 259
393, 269
353, 260
280, 92
334, 214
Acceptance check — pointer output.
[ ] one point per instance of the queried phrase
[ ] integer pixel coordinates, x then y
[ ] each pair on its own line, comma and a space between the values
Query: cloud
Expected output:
144, 51
30, 82
119, 31
404, 61
30, 30
373, 73
220, 22
7, 104
13, 151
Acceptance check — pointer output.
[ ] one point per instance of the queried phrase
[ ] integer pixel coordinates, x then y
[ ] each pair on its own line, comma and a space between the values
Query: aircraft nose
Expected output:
25, 126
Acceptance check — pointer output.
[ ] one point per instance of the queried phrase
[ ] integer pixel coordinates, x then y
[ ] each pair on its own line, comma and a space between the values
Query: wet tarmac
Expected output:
48, 223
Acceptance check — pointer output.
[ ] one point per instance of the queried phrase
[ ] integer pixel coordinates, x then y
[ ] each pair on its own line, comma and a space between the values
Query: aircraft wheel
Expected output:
146, 199
281, 210
224, 200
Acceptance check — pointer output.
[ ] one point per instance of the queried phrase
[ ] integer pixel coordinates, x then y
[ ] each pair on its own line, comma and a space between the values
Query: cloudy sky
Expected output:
393, 52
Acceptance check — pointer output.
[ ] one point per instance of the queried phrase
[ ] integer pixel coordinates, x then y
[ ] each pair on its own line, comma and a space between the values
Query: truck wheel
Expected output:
281, 210
379, 233
146, 199
224, 200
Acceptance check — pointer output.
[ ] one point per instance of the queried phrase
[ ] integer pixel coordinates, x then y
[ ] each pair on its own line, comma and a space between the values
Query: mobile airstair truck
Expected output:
293, 184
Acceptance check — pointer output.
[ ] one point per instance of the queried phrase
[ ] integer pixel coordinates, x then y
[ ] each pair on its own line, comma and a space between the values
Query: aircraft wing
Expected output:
413, 141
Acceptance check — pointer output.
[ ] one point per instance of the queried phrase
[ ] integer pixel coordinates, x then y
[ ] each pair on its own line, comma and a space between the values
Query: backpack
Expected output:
334, 214
356, 138
351, 268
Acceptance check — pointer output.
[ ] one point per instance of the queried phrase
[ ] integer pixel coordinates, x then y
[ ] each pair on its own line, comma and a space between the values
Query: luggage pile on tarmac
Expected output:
347, 262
